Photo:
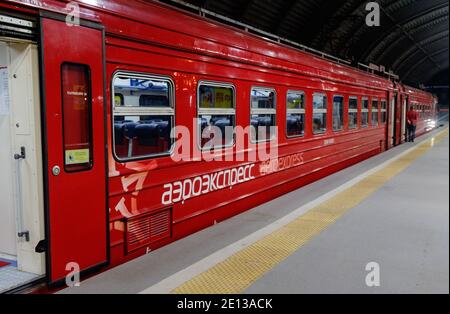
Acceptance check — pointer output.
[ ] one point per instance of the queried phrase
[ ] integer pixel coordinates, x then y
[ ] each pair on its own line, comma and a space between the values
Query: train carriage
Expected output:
100, 177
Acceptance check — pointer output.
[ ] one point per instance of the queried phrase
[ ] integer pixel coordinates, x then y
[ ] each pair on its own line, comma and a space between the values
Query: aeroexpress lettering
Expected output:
280, 164
181, 191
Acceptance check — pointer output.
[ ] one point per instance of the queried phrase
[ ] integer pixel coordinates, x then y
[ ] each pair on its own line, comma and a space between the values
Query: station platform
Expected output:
391, 211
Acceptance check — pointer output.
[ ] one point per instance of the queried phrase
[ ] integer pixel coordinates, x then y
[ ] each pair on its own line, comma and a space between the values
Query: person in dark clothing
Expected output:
412, 118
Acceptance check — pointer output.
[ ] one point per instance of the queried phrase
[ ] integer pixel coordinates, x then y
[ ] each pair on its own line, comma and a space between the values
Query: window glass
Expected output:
144, 116
383, 111
216, 97
365, 113
320, 113
353, 113
338, 113
77, 117
375, 110
263, 98
263, 114
295, 120
216, 115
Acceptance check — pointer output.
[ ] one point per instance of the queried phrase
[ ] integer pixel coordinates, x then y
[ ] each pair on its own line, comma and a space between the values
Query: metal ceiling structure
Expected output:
412, 40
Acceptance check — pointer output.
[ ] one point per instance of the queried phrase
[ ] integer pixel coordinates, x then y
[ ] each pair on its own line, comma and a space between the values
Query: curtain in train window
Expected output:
320, 113
263, 114
144, 116
365, 113
295, 120
216, 115
353, 113
338, 113
375, 111
77, 117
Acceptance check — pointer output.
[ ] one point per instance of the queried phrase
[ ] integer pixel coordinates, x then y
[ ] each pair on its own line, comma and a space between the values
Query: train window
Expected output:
295, 120
216, 115
144, 116
77, 117
263, 114
320, 113
365, 113
338, 113
375, 111
353, 113
383, 111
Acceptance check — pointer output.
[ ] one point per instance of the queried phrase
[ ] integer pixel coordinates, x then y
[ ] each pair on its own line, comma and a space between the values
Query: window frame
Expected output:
209, 111
364, 126
90, 120
320, 111
375, 110
296, 112
144, 111
264, 111
343, 115
383, 112
350, 111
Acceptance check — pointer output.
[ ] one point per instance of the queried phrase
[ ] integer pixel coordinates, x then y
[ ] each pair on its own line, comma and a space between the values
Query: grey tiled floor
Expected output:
11, 278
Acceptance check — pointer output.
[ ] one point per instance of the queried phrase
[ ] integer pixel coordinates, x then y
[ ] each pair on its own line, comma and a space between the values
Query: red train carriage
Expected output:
106, 95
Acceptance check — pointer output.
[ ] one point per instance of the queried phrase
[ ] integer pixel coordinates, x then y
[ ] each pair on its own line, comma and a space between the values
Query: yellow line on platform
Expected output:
238, 272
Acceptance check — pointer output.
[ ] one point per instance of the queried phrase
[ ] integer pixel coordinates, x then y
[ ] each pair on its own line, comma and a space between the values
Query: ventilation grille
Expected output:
143, 231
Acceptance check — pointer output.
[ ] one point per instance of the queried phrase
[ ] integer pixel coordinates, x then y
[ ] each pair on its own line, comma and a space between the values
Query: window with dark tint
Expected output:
353, 113
375, 111
338, 113
320, 113
365, 113
216, 115
295, 120
263, 114
77, 117
143, 116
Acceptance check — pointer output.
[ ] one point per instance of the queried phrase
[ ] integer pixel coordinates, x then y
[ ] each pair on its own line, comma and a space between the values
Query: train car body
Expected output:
109, 91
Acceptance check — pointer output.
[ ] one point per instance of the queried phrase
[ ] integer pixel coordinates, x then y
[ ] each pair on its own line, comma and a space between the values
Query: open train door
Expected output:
74, 135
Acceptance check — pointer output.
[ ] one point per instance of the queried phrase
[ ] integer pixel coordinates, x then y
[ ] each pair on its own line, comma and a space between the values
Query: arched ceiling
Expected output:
412, 40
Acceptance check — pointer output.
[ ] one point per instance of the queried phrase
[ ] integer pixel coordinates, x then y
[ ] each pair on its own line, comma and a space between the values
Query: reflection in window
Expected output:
263, 114
353, 113
217, 115
365, 113
143, 116
320, 113
295, 121
338, 113
375, 111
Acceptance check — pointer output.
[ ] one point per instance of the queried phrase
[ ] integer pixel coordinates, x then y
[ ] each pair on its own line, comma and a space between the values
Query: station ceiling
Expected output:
412, 40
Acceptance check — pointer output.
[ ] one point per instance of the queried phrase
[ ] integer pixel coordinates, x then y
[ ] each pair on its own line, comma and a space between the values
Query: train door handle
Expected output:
22, 154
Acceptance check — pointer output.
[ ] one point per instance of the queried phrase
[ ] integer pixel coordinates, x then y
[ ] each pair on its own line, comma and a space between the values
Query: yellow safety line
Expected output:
238, 272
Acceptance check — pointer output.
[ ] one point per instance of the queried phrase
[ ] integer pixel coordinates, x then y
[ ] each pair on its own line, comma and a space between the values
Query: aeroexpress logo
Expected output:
181, 191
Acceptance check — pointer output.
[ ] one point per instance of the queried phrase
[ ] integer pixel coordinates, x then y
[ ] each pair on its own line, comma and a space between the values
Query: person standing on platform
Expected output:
412, 118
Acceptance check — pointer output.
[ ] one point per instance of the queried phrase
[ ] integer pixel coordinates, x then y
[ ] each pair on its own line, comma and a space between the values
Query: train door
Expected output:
405, 102
392, 119
21, 174
73, 68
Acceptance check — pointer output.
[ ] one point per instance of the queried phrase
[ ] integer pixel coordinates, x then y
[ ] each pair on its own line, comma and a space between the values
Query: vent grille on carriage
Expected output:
148, 229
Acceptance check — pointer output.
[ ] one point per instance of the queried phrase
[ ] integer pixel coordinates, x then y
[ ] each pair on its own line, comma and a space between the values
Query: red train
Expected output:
98, 183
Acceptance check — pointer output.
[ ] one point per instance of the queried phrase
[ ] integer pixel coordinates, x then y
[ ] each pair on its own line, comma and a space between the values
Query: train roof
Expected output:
155, 22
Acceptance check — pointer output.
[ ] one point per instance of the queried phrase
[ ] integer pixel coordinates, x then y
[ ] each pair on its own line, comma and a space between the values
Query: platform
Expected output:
392, 210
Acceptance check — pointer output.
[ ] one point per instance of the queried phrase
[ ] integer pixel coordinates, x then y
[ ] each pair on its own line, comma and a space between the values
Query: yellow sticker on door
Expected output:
77, 156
